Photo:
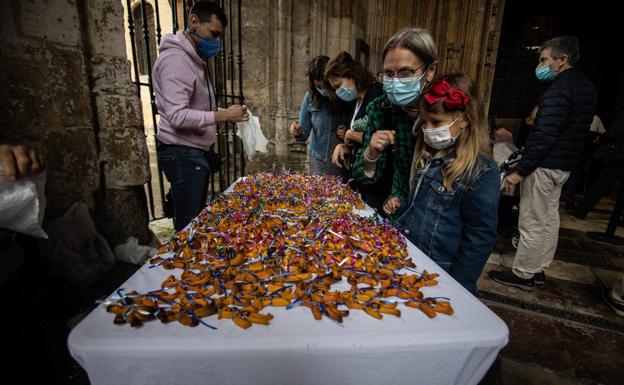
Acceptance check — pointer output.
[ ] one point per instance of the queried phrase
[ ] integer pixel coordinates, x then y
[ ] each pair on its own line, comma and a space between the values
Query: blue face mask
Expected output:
402, 92
323, 92
544, 73
348, 95
208, 47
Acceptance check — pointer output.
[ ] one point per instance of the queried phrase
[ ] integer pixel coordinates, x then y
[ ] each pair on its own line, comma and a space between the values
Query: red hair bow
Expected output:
453, 98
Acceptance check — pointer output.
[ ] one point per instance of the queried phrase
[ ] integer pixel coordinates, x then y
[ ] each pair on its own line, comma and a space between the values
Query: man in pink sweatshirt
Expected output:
188, 110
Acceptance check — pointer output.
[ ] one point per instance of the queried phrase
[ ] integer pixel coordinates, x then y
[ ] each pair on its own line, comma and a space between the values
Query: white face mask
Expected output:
440, 138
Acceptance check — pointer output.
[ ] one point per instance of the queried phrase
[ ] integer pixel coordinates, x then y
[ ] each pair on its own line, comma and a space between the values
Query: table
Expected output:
295, 348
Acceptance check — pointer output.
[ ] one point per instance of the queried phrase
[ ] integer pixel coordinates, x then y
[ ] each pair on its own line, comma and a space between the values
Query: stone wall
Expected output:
65, 90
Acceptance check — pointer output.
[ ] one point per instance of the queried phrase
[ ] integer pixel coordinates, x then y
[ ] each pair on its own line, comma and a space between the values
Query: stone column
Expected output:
124, 161
283, 27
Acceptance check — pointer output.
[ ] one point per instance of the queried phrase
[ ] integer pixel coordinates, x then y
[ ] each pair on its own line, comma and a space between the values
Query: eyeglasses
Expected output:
404, 76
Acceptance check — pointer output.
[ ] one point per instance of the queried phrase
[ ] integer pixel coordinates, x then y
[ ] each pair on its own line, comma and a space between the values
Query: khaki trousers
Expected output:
539, 221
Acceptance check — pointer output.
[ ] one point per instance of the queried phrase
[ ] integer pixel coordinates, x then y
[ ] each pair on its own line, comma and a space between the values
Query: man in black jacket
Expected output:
553, 148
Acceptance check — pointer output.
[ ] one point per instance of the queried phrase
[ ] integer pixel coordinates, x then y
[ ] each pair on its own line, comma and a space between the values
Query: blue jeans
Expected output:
188, 171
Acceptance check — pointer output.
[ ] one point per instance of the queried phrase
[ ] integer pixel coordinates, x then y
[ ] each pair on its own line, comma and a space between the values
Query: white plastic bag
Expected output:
252, 136
132, 252
22, 204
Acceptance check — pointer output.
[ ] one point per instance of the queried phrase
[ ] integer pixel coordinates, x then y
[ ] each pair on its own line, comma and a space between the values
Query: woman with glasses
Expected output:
354, 84
409, 65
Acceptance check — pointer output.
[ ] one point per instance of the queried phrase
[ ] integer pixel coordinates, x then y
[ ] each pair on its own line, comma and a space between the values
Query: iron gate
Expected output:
144, 32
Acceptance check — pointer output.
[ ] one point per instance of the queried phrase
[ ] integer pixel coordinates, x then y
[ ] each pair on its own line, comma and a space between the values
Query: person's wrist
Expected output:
371, 155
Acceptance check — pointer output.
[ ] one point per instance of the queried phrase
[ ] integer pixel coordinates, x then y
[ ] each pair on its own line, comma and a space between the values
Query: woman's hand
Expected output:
341, 131
380, 141
340, 155
392, 205
352, 136
295, 128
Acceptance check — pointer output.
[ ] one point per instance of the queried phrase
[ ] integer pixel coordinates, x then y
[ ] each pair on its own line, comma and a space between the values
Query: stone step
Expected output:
559, 298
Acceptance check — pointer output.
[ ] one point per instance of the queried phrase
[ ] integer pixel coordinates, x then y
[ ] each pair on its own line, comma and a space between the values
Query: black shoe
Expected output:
510, 279
616, 307
539, 278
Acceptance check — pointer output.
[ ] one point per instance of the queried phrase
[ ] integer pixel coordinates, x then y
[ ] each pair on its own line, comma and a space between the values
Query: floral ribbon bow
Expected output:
453, 98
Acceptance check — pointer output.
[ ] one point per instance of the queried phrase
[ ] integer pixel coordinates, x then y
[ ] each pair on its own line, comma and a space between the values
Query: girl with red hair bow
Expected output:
451, 211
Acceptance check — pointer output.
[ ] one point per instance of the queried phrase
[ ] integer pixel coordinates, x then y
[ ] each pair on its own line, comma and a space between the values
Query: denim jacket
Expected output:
456, 229
319, 123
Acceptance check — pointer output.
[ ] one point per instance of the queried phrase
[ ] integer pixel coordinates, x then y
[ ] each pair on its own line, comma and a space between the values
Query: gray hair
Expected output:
563, 45
417, 40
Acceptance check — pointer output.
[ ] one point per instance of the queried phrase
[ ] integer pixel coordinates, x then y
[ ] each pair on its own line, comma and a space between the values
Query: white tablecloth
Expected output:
295, 348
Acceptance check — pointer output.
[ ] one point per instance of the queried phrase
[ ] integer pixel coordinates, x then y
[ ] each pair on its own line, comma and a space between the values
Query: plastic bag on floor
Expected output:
75, 249
132, 252
22, 204
252, 136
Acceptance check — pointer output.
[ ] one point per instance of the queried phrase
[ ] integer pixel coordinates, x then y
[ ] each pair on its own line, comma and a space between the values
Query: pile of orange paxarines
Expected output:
282, 240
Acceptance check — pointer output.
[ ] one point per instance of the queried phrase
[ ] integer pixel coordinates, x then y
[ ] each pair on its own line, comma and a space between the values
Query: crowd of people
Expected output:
417, 146
414, 142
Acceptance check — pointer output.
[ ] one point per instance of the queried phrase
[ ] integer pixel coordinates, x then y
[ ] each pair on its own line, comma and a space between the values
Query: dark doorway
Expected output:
527, 24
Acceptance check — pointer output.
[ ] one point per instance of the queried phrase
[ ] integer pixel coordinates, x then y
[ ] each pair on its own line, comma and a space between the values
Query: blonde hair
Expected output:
472, 141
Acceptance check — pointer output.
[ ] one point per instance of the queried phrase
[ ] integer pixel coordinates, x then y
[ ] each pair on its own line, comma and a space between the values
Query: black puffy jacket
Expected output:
566, 111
